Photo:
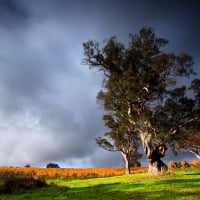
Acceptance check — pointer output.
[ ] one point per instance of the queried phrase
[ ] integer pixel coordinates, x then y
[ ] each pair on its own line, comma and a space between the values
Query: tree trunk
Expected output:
126, 163
153, 154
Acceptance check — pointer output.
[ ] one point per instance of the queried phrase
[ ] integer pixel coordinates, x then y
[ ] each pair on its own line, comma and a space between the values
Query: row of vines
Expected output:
5, 172
67, 172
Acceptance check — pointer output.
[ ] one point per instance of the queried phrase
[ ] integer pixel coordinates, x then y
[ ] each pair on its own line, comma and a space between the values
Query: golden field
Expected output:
68, 172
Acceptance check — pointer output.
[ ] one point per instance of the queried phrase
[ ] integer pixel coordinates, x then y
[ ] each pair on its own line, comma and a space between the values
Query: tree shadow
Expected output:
194, 174
186, 182
114, 191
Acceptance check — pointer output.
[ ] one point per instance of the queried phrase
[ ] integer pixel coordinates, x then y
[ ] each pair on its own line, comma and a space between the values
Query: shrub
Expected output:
52, 165
183, 164
171, 164
194, 163
15, 184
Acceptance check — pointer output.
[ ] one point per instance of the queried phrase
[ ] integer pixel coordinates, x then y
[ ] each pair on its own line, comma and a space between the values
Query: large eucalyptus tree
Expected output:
142, 91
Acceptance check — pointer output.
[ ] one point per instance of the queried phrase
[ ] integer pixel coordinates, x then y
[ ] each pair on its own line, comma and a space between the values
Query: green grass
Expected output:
182, 185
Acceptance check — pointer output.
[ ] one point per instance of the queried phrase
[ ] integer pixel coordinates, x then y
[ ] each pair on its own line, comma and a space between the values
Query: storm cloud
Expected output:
48, 109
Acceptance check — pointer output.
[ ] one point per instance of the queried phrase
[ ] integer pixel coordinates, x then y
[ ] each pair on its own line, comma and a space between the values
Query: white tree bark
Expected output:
126, 163
196, 154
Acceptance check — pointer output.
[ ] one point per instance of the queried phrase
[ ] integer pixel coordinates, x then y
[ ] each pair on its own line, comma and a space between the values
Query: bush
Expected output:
194, 163
19, 184
52, 165
183, 164
171, 164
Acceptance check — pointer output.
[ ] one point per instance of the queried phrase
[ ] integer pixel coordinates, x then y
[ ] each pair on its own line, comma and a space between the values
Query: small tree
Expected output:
124, 142
122, 137
52, 165
141, 90
134, 160
191, 133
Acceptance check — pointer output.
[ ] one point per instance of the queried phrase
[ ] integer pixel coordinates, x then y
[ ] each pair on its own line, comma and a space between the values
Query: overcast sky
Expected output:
48, 109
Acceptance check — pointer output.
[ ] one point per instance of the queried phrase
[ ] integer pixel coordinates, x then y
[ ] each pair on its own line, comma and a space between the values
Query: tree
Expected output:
52, 165
134, 160
191, 133
123, 140
141, 88
191, 143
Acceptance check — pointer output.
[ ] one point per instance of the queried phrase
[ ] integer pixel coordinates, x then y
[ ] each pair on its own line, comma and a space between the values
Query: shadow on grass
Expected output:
118, 192
115, 191
194, 174
181, 182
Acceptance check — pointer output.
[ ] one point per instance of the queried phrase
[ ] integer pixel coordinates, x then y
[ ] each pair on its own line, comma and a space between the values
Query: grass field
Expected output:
183, 184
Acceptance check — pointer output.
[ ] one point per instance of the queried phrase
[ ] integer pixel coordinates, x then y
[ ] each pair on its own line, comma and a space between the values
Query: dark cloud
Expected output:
48, 109
11, 12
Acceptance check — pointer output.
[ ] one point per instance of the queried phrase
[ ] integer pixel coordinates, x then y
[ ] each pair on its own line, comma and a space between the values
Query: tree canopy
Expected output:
142, 91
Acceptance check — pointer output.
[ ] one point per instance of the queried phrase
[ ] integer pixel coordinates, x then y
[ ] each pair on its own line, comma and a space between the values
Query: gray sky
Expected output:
48, 109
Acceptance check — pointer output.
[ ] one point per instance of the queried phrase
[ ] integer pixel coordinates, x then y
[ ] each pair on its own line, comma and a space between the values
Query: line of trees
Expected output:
144, 99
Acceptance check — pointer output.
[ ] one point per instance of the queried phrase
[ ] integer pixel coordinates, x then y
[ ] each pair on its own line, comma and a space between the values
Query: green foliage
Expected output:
52, 165
142, 90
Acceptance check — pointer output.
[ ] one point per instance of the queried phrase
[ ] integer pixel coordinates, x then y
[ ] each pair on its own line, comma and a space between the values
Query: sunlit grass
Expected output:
183, 184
